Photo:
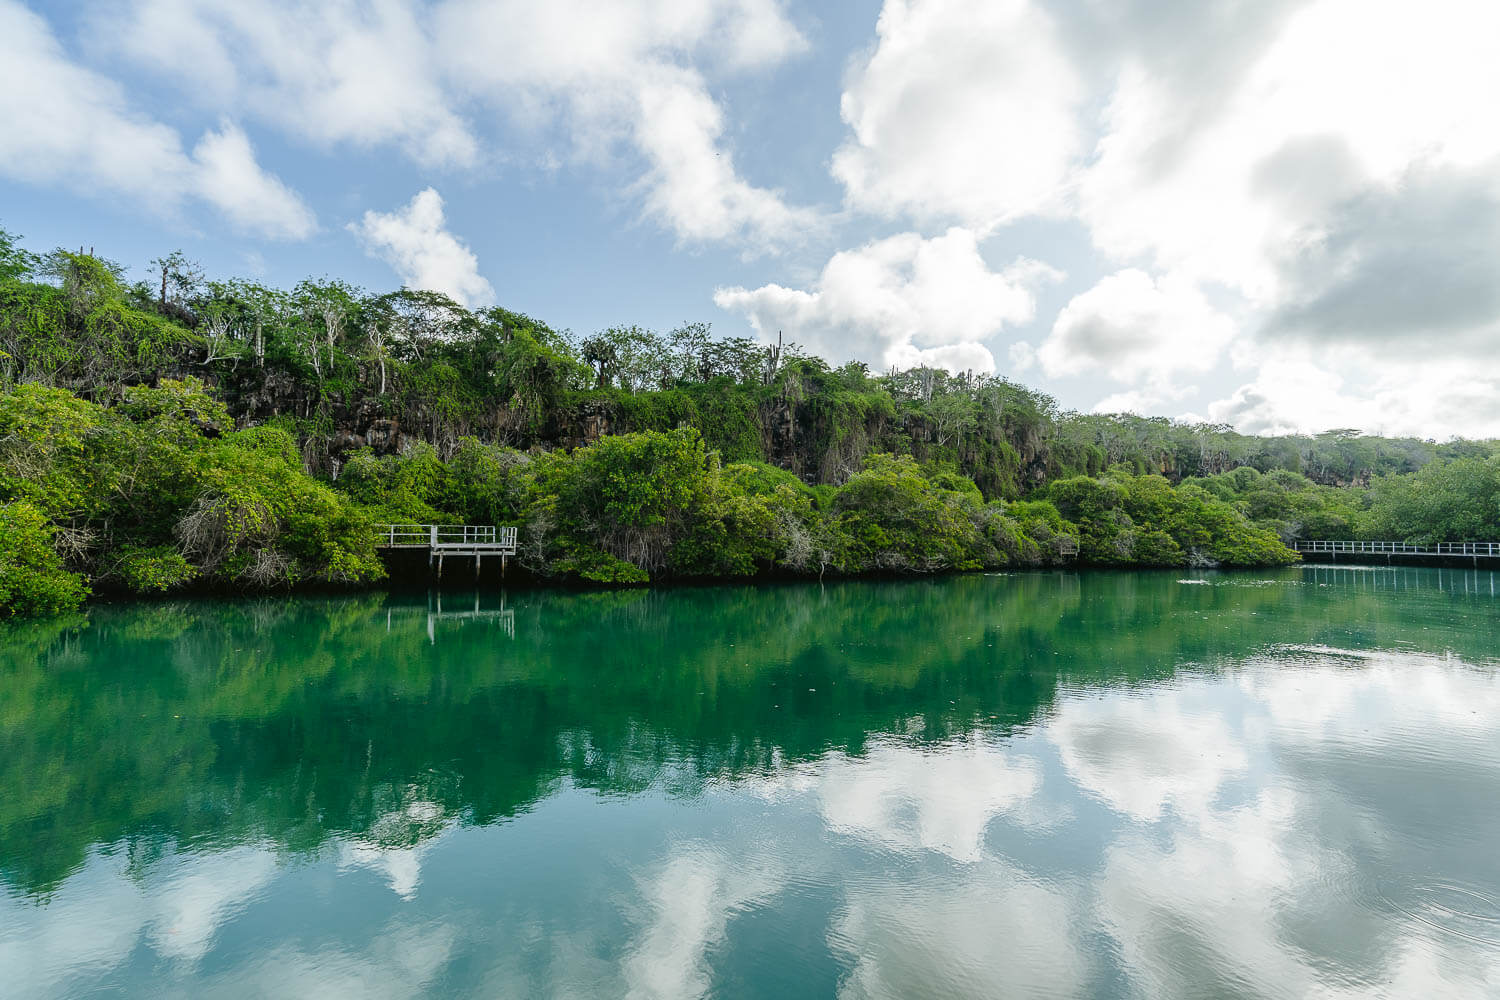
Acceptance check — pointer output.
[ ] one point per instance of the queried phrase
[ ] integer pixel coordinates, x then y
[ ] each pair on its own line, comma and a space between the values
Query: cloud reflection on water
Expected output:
1301, 824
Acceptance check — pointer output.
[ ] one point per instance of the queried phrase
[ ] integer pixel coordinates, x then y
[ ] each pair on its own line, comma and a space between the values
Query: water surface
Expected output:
1102, 785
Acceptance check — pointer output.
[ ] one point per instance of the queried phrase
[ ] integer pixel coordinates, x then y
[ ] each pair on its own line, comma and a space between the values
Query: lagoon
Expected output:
1039, 784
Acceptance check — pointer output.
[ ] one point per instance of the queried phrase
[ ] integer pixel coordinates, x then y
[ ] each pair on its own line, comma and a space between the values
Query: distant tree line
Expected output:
182, 429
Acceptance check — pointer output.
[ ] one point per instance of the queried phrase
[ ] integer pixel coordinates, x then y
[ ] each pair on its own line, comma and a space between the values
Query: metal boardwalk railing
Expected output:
1474, 550
450, 539
469, 541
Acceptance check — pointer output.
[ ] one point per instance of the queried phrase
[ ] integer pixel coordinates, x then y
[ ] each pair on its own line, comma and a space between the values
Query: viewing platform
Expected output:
1439, 554
471, 541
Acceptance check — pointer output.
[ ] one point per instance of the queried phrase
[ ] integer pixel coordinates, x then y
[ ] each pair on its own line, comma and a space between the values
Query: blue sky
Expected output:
1281, 215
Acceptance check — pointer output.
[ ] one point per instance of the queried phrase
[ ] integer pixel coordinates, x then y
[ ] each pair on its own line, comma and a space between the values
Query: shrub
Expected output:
889, 516
32, 578
157, 569
636, 496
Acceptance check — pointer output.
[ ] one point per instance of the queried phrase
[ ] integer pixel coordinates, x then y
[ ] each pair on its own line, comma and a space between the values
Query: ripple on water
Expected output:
1450, 909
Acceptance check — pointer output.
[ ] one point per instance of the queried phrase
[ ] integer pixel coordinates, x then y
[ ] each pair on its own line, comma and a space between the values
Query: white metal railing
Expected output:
1400, 548
441, 536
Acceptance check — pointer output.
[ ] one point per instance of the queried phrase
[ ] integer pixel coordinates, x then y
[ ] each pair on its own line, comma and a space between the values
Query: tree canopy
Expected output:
225, 432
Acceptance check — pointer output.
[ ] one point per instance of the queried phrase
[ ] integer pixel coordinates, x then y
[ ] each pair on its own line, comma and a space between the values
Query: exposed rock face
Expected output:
778, 431
383, 436
594, 423
274, 394
797, 431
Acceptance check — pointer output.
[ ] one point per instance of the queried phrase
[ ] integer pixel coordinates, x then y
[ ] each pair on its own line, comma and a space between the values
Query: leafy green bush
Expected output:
636, 496
1144, 521
891, 517
1045, 535
1287, 503
32, 578
157, 492
398, 488
1453, 501
152, 570
48, 453
487, 484
261, 520
588, 563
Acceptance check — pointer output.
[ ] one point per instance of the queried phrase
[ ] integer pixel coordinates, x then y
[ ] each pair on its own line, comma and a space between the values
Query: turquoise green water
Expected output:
1106, 785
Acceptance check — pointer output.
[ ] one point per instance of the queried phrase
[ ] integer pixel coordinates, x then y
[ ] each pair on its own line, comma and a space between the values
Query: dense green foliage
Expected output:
343, 369
155, 492
32, 578
1291, 504
634, 507
1143, 520
1444, 501
228, 433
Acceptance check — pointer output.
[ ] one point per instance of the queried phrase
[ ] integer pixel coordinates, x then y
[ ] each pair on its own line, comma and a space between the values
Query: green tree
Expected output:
1453, 501
635, 496
16, 262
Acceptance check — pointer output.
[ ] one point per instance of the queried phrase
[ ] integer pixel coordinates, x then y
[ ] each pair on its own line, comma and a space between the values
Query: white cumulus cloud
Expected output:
693, 185
636, 78
1301, 392
67, 125
415, 242
965, 110
1325, 168
901, 301
361, 74
1136, 329
1342, 97
254, 201
995, 932
626, 84
692, 900
908, 801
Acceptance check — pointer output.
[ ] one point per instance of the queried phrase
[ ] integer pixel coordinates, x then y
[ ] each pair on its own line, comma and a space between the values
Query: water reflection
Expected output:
458, 610
1110, 785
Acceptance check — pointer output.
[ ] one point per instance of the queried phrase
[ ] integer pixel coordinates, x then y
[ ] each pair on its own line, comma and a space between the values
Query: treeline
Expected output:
1447, 500
158, 492
343, 369
636, 506
155, 436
